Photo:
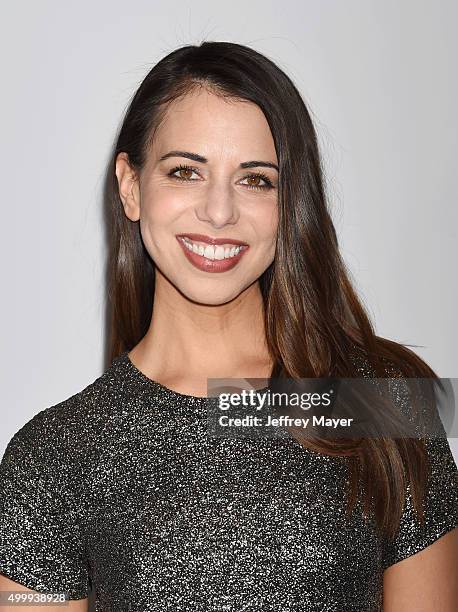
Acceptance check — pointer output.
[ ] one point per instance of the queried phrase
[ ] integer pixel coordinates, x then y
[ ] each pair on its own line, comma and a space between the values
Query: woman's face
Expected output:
181, 211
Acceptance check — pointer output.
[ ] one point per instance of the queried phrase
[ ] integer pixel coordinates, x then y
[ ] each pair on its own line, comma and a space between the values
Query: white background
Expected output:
379, 79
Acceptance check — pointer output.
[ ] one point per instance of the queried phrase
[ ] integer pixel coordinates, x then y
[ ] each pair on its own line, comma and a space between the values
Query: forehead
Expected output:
213, 126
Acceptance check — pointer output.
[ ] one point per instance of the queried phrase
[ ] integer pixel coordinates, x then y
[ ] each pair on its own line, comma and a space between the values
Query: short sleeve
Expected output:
41, 546
440, 507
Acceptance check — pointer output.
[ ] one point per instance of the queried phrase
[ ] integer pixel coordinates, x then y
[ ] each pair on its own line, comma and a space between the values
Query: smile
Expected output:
212, 255
210, 251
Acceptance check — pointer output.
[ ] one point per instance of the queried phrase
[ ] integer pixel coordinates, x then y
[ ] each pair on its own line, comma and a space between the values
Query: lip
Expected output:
210, 240
211, 265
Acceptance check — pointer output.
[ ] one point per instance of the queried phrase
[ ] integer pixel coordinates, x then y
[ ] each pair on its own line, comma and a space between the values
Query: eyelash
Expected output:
265, 178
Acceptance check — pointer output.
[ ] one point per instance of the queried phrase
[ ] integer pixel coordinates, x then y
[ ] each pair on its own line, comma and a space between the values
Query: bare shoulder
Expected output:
76, 605
427, 580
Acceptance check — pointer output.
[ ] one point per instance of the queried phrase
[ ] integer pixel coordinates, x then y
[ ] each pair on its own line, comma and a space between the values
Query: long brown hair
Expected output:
313, 317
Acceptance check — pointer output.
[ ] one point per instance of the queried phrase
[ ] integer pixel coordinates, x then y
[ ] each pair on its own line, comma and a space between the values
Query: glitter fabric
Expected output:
119, 491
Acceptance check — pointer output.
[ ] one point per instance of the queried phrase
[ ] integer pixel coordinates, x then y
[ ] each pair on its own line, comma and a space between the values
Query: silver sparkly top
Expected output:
119, 494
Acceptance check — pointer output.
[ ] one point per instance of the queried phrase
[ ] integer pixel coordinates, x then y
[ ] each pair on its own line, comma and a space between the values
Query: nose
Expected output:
218, 206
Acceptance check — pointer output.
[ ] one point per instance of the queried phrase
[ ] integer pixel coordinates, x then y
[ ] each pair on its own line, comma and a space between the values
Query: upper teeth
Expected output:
210, 251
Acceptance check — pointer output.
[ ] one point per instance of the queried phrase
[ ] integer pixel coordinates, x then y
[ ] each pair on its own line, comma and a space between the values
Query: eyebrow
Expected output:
203, 160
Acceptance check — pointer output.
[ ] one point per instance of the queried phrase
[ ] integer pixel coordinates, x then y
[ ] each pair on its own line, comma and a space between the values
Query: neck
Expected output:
188, 342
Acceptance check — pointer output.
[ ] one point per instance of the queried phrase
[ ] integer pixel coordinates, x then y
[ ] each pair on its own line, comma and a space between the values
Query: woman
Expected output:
224, 262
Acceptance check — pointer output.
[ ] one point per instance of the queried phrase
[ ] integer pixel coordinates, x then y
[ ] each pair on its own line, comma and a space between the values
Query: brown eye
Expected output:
254, 181
185, 173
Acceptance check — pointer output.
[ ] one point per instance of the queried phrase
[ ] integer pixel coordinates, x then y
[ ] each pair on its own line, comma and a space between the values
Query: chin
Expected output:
211, 298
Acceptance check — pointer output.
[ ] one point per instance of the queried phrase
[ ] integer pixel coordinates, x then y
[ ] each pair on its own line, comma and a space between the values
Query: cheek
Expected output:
266, 224
158, 213
271, 229
162, 207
